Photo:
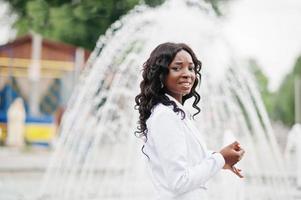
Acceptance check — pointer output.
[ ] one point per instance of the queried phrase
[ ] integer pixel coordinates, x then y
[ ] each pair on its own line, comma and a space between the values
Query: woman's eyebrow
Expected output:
180, 62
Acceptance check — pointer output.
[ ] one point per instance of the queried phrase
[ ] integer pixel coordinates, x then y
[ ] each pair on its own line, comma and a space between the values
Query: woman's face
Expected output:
181, 75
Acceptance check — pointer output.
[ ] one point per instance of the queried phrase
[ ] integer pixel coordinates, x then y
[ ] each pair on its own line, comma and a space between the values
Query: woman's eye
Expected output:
175, 68
191, 68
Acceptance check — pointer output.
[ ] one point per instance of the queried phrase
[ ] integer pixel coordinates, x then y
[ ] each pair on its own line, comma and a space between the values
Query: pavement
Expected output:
21, 171
28, 159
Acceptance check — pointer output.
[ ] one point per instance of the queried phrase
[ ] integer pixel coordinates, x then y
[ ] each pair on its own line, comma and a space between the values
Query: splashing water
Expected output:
97, 155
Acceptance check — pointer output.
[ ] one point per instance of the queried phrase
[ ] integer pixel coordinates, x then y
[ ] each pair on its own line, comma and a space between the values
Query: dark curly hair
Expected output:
155, 70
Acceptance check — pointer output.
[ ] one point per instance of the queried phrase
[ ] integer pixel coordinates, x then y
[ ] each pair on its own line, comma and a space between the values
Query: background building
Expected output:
43, 73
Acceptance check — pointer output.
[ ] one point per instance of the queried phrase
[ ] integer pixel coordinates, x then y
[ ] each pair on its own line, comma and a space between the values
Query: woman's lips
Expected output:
185, 84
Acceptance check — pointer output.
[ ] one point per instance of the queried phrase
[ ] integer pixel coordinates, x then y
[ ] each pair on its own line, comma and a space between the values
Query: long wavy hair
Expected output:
155, 71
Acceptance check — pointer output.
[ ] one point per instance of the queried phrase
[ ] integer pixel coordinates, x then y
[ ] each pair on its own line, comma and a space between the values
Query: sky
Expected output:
266, 30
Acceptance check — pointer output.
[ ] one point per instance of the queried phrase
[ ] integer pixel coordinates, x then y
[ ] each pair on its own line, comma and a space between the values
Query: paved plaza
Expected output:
21, 172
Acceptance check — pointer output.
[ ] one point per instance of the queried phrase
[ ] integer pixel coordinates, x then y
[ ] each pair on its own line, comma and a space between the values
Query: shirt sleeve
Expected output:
169, 141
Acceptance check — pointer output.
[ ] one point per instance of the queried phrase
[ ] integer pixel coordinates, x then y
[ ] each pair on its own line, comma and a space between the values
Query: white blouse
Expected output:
179, 162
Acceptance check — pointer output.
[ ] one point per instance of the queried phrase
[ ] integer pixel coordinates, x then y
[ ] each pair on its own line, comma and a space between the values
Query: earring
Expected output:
162, 85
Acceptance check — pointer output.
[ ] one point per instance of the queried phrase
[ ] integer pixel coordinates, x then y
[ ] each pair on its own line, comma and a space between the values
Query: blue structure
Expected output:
38, 129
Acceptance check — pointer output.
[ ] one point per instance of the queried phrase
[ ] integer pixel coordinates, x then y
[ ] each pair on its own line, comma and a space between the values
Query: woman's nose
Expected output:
186, 73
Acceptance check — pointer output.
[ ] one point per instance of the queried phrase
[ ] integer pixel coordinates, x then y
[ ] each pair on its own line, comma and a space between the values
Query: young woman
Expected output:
179, 162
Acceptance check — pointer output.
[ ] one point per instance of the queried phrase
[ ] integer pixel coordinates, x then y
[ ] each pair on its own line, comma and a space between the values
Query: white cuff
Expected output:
219, 158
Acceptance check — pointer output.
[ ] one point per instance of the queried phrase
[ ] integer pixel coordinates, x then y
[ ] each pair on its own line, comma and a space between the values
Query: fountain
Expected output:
97, 155
293, 155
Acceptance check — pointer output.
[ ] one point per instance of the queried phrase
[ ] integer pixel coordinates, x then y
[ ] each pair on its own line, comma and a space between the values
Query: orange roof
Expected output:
56, 57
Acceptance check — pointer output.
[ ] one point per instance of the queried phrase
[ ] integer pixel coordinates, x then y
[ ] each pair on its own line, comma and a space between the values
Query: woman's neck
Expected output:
178, 98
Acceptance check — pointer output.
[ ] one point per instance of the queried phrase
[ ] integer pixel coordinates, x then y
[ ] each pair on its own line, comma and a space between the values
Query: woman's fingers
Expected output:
239, 170
236, 146
241, 153
236, 171
232, 153
235, 154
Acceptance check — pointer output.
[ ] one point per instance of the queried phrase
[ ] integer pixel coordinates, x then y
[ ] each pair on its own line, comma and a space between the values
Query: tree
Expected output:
280, 104
284, 108
284, 101
216, 5
262, 83
76, 22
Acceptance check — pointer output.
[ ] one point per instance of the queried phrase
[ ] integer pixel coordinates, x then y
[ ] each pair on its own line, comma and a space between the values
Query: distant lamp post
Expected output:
34, 71
79, 63
298, 123
298, 99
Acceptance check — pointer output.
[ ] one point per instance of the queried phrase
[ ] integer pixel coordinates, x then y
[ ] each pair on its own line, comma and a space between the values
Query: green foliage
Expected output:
75, 23
285, 98
284, 101
281, 104
78, 22
297, 68
154, 3
262, 83
18, 6
216, 5
37, 14
284, 105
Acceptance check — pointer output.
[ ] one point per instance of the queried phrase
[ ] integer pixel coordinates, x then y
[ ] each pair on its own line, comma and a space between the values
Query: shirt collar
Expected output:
173, 99
178, 104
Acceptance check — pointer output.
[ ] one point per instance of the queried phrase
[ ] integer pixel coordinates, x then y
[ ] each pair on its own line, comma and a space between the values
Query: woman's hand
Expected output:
234, 170
232, 154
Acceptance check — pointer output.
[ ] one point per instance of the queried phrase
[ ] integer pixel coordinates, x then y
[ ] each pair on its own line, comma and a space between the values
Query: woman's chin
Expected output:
186, 92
